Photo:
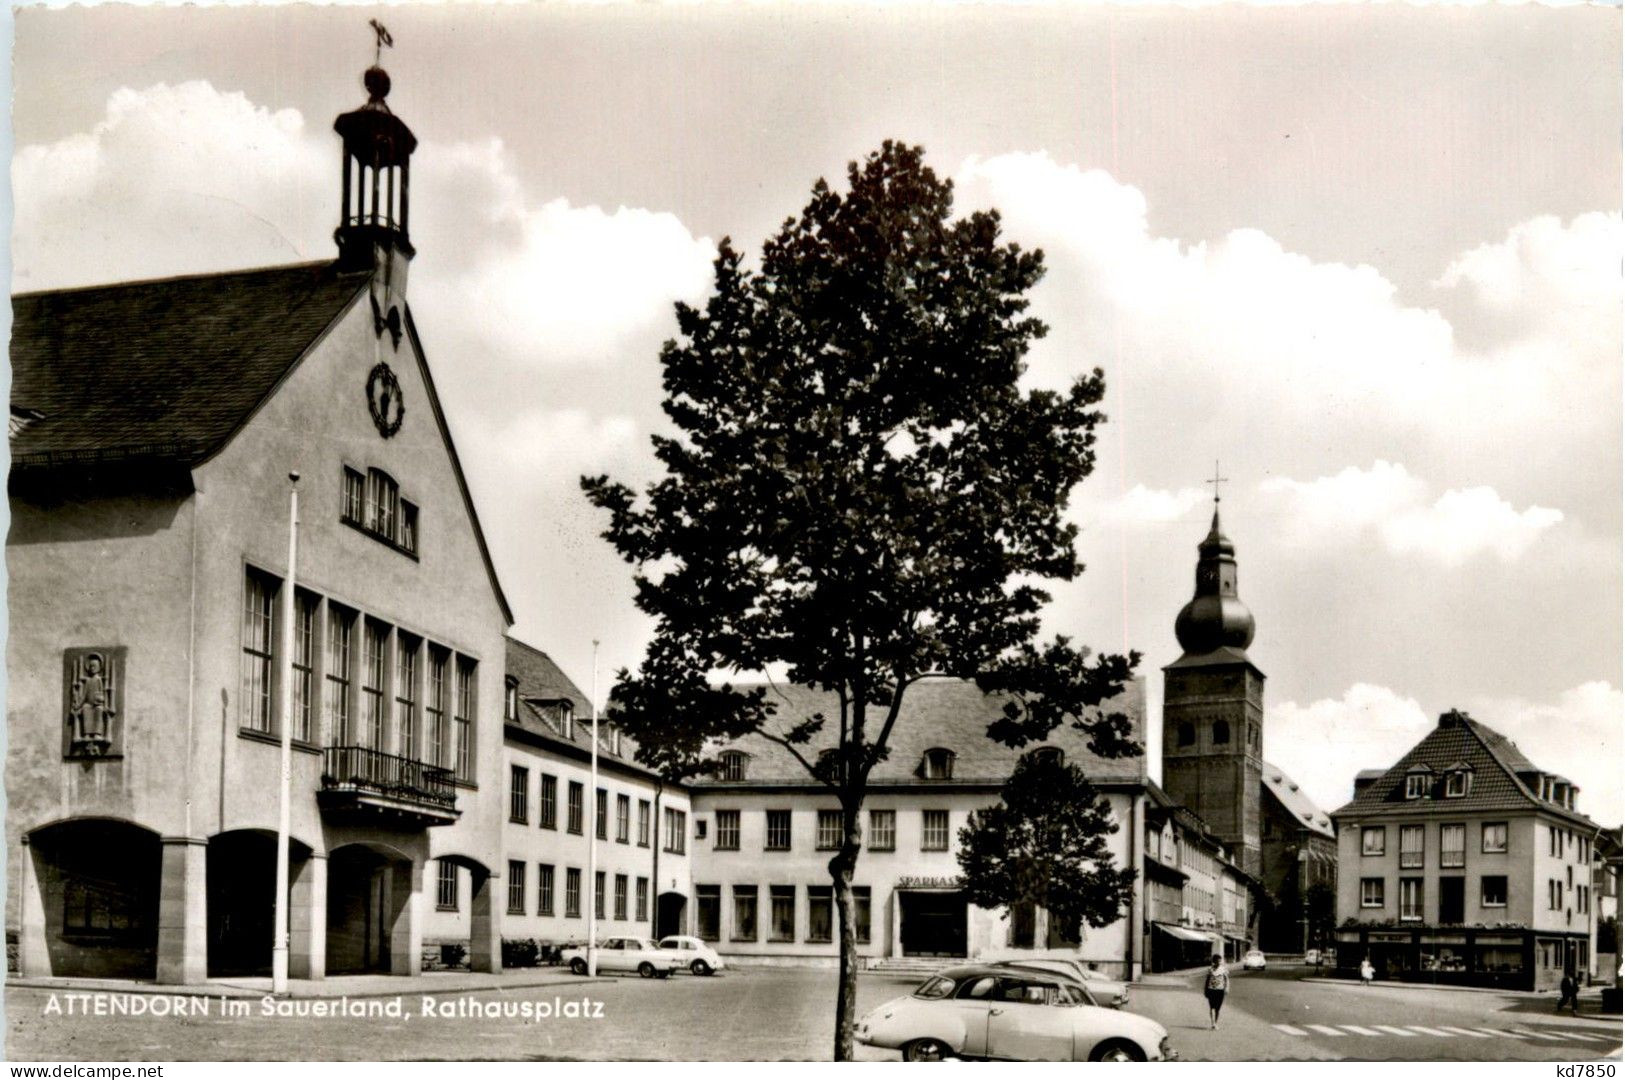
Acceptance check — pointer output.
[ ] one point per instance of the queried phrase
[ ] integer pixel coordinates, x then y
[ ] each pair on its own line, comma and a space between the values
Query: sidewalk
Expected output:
1525, 1001
353, 986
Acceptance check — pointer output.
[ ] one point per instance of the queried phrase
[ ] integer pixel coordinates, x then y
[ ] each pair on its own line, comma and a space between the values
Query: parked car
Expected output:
626, 954
695, 954
1112, 993
1252, 961
1009, 1013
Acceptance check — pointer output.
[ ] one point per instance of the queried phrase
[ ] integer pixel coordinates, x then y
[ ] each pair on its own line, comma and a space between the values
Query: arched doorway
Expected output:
241, 893
370, 914
97, 884
670, 910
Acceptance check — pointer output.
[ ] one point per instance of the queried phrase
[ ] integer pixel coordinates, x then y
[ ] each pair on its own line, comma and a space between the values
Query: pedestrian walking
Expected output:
1218, 983
1569, 988
1367, 972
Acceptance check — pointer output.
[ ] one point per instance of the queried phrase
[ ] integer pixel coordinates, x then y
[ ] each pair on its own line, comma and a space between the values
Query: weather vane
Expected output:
1216, 481
383, 39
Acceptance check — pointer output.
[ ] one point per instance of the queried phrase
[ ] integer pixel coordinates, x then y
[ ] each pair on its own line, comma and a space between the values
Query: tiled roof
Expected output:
542, 681
952, 714
165, 369
1296, 803
1495, 764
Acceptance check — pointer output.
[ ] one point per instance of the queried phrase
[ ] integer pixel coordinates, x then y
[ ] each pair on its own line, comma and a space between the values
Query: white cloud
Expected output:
1389, 501
1141, 506
1371, 727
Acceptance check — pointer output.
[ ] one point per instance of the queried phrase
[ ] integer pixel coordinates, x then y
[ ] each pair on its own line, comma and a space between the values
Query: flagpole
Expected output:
279, 943
592, 840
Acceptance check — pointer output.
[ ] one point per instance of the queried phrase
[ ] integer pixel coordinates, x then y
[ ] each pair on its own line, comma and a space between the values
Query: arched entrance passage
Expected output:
93, 900
465, 928
372, 916
670, 910
241, 894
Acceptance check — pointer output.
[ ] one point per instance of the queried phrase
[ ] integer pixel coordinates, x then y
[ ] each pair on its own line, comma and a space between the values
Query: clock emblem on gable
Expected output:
384, 400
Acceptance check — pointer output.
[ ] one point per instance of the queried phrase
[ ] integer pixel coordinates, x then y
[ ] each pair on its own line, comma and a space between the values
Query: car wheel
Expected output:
578, 966
646, 969
1117, 1050
700, 967
927, 1050
663, 973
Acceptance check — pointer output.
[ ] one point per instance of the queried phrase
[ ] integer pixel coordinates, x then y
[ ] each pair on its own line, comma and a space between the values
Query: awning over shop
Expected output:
1183, 934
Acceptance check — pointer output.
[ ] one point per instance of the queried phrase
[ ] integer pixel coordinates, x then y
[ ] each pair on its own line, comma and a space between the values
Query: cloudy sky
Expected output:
1368, 258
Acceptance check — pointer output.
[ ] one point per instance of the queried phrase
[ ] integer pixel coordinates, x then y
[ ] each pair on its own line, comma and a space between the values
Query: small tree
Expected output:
859, 494
1045, 844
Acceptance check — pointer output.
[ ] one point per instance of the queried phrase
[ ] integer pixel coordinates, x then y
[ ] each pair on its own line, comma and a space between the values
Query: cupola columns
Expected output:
376, 201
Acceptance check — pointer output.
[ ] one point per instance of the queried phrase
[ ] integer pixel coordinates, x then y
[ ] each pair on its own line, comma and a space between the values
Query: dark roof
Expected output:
1457, 740
1295, 802
952, 714
543, 683
170, 370
162, 369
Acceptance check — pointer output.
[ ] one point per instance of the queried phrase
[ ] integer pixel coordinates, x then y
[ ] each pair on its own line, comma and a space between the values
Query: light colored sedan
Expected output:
1113, 993
695, 954
626, 954
1253, 961
1006, 1013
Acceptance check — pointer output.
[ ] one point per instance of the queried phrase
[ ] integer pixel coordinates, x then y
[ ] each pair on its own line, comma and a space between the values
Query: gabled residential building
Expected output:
1199, 903
1465, 862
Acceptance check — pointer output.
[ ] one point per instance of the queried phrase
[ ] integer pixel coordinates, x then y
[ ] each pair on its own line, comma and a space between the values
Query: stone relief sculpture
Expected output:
92, 681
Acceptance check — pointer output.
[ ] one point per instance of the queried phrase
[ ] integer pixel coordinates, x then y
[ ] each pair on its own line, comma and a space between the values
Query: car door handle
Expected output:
995, 1012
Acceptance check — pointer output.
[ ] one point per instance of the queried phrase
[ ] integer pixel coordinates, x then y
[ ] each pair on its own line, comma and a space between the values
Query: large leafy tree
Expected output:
858, 494
1045, 843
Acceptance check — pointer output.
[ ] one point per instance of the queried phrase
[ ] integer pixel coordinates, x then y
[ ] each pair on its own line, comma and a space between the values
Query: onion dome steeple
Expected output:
1215, 618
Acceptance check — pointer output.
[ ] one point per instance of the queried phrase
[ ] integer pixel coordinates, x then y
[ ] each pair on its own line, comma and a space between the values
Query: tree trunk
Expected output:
840, 872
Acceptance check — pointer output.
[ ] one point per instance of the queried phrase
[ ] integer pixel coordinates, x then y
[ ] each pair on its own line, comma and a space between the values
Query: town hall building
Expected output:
154, 428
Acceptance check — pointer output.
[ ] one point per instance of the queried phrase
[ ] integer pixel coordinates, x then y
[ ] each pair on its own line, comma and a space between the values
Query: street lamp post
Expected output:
279, 943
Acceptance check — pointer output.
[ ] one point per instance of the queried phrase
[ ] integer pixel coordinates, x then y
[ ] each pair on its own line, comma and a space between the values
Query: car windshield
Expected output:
935, 987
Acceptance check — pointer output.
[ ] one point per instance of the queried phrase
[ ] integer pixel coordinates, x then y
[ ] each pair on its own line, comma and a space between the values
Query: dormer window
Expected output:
733, 765
510, 700
567, 719
938, 764
1458, 780
1048, 755
1416, 785
609, 737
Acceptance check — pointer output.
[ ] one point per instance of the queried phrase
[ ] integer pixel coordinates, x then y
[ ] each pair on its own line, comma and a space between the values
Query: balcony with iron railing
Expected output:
359, 779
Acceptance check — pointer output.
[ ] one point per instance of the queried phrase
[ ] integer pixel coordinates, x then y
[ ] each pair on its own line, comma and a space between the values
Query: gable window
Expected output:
1187, 735
1371, 892
938, 764
373, 504
733, 765
1495, 836
1458, 784
1410, 846
1373, 840
778, 830
1221, 732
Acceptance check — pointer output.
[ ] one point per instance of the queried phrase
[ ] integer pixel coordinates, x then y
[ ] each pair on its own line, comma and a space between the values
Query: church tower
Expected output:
1213, 706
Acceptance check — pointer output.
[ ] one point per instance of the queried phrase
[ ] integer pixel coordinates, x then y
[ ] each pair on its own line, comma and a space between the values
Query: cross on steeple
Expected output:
1216, 481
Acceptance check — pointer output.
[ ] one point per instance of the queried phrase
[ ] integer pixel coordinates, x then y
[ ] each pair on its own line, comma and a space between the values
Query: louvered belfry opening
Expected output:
377, 177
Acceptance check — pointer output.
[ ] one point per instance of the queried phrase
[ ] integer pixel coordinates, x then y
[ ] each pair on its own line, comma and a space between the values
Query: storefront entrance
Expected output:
932, 923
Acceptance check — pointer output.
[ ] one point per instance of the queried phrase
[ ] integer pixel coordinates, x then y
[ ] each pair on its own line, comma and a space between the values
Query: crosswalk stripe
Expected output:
1440, 1032
1535, 1034
1360, 1030
1290, 1030
1393, 1030
1467, 1032
1508, 1034
1323, 1029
